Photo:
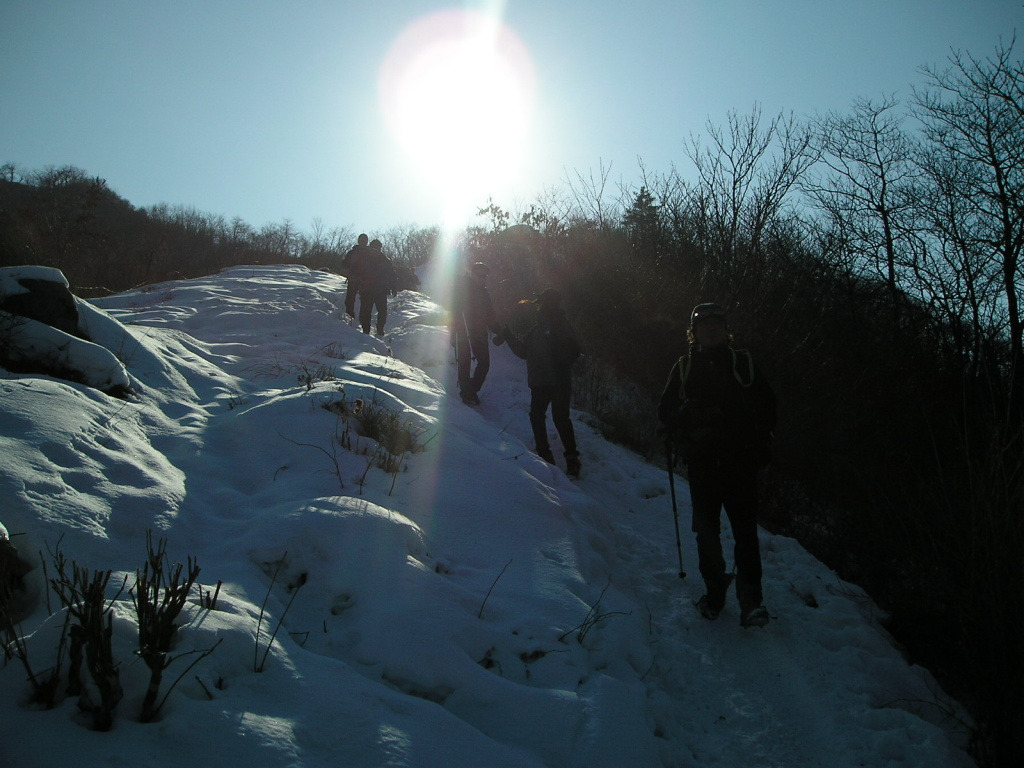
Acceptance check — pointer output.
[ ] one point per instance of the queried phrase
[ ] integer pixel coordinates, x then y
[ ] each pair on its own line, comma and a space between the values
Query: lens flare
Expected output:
457, 91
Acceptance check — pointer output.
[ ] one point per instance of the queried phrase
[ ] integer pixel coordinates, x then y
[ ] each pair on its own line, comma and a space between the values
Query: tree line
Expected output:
870, 260
65, 218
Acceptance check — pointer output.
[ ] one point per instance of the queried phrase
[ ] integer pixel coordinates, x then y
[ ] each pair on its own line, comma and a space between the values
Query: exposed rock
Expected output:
39, 293
41, 331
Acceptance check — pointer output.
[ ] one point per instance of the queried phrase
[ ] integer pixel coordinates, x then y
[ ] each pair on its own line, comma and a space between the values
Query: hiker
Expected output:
720, 413
550, 348
471, 319
351, 265
376, 277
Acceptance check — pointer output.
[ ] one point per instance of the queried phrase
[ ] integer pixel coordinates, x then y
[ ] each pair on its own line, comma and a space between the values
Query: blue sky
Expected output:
274, 110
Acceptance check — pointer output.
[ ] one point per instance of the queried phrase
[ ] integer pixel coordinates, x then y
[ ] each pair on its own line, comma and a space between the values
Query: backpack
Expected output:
742, 370
704, 428
377, 271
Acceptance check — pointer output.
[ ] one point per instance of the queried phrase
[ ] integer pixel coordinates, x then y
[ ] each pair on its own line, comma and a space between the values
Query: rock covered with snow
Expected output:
39, 293
44, 328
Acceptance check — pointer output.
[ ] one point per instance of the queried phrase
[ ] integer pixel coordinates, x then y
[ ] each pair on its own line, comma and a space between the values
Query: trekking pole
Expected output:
675, 508
465, 326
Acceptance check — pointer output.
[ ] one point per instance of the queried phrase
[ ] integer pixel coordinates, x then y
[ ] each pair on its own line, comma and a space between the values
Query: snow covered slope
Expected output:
475, 608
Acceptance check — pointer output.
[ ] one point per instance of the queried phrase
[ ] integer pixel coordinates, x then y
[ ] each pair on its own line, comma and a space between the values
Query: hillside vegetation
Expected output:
873, 269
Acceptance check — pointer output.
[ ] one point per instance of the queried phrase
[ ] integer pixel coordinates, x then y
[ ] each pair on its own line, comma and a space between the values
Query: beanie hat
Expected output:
706, 312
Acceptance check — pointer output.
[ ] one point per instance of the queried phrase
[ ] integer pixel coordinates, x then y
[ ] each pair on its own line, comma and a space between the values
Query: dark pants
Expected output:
717, 485
558, 398
368, 299
351, 291
469, 346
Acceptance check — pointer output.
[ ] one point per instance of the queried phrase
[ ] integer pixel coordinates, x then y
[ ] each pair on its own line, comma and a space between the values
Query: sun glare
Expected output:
456, 89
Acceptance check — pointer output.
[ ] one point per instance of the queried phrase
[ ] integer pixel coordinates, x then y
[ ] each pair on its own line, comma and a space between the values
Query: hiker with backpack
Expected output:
351, 267
376, 276
720, 412
550, 348
472, 318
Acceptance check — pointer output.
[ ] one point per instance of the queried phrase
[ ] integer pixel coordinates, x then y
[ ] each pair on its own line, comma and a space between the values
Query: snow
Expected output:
476, 608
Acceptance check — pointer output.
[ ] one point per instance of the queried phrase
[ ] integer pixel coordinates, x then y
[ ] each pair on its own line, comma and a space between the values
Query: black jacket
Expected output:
549, 349
719, 407
472, 309
352, 263
374, 272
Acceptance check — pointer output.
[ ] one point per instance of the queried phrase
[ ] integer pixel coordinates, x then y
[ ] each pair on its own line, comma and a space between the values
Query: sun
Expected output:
456, 90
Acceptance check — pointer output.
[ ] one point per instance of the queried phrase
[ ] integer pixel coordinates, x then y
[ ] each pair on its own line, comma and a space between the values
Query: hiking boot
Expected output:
572, 464
546, 454
754, 617
708, 610
470, 398
711, 604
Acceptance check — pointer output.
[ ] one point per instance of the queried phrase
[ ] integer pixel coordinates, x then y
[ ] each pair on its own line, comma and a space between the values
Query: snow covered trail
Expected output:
805, 690
472, 609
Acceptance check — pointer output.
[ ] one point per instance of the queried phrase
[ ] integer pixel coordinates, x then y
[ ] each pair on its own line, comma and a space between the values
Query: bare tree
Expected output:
867, 189
10, 172
589, 196
973, 116
957, 277
743, 179
411, 245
